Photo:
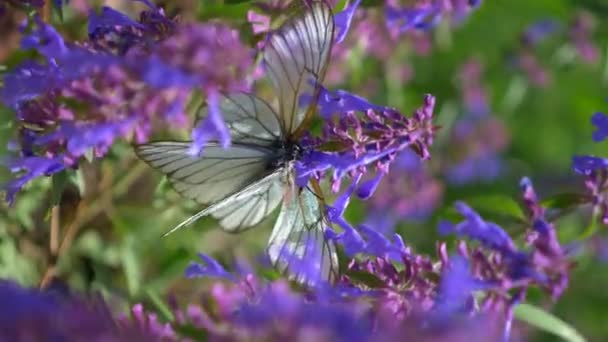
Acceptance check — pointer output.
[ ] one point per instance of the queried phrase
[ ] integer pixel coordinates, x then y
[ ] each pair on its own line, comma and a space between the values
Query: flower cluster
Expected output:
353, 143
408, 193
33, 315
129, 76
387, 289
578, 34
595, 171
479, 138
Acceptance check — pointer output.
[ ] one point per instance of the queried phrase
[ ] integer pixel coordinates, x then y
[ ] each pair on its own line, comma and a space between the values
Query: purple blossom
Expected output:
210, 268
595, 171
547, 251
405, 19
341, 102
539, 31
423, 15
34, 315
500, 261
407, 193
122, 83
581, 30
473, 93
474, 227
371, 140
586, 165
29, 168
343, 20
600, 121
110, 19
478, 141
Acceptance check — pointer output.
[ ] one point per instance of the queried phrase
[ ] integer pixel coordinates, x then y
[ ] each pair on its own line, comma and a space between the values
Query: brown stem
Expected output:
46, 11
85, 212
54, 239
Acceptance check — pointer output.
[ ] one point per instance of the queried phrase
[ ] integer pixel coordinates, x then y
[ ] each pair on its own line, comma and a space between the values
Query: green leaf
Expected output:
497, 207
59, 182
131, 265
226, 11
592, 226
564, 201
58, 9
366, 278
188, 330
548, 322
161, 306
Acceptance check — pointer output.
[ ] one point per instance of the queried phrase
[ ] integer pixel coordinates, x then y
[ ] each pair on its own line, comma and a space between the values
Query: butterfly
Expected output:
244, 183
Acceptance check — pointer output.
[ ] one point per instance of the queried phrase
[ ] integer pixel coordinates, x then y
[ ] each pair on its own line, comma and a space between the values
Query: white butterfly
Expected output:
243, 184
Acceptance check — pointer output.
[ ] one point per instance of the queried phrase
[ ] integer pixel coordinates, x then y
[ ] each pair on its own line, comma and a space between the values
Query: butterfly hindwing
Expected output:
298, 245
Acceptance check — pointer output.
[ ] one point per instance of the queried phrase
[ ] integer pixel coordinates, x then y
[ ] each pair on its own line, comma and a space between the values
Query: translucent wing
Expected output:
249, 118
296, 58
211, 177
298, 245
235, 181
246, 208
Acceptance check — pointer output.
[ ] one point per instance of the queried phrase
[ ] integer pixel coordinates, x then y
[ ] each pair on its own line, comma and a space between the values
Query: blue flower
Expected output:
343, 20
600, 121
109, 19
586, 165
474, 227
340, 101
209, 268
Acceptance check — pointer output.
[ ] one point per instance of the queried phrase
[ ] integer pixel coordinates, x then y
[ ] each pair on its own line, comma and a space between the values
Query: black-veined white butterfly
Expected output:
244, 183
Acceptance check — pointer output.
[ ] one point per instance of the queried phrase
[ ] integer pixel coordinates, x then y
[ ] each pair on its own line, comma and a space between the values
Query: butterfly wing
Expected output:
249, 118
298, 245
296, 59
236, 182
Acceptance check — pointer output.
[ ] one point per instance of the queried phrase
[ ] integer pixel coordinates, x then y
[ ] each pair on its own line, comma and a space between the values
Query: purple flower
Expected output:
34, 315
30, 168
539, 31
341, 102
404, 19
343, 20
128, 75
475, 144
473, 93
581, 30
600, 121
209, 268
474, 227
456, 288
586, 165
355, 143
110, 19
407, 193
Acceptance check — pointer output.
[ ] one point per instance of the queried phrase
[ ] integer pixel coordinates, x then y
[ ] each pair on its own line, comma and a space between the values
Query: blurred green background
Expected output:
114, 210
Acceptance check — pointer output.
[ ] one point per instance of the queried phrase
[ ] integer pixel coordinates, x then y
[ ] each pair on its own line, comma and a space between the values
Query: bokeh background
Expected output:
515, 91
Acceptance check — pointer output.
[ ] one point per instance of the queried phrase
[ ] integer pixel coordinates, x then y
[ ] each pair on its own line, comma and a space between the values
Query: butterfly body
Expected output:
242, 184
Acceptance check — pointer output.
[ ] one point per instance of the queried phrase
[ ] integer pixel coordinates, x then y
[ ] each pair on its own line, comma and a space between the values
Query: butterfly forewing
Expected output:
212, 176
249, 119
296, 59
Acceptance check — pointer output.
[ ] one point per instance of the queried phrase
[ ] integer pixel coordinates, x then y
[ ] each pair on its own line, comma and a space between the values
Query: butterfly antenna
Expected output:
187, 222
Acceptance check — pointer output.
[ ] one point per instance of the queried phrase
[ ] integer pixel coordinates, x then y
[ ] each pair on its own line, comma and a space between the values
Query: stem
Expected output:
53, 248
86, 212
54, 240
46, 11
